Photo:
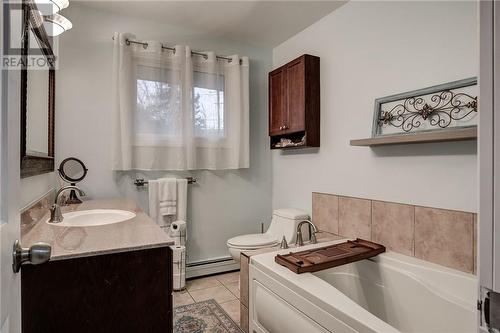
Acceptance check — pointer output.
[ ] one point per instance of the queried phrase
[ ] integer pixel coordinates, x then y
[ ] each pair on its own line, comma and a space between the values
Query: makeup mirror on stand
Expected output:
73, 171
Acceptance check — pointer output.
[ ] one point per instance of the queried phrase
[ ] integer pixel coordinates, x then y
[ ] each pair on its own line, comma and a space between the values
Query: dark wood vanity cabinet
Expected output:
119, 292
294, 103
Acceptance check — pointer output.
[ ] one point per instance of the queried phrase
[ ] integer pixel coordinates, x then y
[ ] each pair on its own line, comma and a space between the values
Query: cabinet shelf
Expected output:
461, 134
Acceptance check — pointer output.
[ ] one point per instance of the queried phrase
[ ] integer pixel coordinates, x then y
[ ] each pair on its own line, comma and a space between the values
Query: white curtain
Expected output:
176, 111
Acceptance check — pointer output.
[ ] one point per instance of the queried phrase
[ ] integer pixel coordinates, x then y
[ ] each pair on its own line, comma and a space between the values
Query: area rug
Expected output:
203, 317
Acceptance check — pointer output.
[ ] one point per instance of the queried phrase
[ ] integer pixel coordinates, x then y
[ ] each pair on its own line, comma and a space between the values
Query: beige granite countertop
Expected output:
137, 233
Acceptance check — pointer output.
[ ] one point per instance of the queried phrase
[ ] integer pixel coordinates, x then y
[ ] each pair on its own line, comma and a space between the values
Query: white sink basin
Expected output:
94, 217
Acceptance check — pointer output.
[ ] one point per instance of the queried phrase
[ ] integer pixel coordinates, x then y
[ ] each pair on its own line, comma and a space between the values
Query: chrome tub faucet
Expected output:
312, 236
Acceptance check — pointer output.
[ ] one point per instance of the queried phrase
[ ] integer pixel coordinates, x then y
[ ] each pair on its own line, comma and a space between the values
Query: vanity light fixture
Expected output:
51, 7
56, 24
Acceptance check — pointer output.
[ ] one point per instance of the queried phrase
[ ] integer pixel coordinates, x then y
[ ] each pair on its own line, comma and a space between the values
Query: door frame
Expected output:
489, 154
10, 87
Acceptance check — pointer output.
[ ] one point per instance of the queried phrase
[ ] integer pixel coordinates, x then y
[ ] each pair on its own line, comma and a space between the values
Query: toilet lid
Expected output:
252, 240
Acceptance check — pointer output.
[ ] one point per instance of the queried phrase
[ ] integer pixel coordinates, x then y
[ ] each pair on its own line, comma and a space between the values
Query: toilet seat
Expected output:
252, 241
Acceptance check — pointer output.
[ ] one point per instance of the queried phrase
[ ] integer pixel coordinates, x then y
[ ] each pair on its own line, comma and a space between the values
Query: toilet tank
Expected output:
284, 223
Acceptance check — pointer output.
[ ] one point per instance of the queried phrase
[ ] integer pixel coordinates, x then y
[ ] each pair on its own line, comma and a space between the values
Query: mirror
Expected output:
37, 97
72, 170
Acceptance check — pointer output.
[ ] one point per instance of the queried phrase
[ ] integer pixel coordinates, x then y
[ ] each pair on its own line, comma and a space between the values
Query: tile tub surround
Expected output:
441, 236
72, 242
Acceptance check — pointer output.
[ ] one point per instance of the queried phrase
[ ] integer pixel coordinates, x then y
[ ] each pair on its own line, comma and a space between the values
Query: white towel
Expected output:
154, 203
167, 195
175, 210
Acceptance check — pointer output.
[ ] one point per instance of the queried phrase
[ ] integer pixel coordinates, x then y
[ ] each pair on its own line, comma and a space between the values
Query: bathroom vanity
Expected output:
102, 278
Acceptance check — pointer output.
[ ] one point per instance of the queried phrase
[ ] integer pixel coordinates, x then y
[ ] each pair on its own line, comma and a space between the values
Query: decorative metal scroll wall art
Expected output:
445, 106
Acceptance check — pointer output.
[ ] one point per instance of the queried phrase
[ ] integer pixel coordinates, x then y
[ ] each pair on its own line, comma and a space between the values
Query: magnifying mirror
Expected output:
72, 170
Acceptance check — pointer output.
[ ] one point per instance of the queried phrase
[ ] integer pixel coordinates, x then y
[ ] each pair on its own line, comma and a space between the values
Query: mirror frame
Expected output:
67, 178
35, 165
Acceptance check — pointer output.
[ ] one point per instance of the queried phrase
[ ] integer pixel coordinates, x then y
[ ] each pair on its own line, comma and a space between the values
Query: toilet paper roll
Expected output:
178, 253
179, 266
178, 232
178, 228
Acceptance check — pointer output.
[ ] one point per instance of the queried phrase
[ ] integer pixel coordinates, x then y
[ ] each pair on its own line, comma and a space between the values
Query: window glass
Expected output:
158, 113
208, 100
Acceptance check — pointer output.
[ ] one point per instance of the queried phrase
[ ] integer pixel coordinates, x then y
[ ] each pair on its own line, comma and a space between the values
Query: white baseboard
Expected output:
211, 267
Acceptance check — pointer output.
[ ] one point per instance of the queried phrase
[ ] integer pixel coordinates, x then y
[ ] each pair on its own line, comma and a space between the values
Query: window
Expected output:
159, 111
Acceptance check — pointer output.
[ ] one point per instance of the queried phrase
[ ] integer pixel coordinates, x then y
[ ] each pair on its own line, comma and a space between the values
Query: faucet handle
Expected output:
284, 244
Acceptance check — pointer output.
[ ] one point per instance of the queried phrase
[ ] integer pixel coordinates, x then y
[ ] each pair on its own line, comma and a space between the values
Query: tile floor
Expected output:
224, 288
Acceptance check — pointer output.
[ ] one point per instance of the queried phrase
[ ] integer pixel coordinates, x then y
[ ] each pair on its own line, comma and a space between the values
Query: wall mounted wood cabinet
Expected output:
294, 104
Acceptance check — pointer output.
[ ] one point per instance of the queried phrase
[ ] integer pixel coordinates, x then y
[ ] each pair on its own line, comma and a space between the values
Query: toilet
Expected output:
284, 223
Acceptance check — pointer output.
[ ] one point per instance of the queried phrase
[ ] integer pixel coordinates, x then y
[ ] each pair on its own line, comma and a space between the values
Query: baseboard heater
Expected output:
209, 267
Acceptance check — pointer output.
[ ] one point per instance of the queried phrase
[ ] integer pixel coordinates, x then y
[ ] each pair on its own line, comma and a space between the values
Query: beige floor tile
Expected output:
182, 298
234, 288
228, 277
220, 294
233, 309
202, 283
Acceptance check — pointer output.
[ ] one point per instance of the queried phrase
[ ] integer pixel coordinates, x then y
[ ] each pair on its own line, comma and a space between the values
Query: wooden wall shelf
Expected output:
461, 134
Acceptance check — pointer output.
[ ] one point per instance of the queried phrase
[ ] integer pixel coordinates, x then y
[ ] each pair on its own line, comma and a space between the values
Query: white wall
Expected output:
370, 50
225, 203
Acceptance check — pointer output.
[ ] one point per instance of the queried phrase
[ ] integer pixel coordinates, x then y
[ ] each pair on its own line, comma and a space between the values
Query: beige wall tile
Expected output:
393, 226
244, 279
445, 237
244, 318
355, 217
475, 242
325, 212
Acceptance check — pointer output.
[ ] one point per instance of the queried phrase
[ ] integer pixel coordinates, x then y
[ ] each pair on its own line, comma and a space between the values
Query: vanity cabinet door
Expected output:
277, 101
126, 292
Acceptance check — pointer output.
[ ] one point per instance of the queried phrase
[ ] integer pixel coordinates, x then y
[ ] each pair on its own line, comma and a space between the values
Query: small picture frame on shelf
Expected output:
447, 106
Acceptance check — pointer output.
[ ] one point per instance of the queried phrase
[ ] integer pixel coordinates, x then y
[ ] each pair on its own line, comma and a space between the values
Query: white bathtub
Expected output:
387, 294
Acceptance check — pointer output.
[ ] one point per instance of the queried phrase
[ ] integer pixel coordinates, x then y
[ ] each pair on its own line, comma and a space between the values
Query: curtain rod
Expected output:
145, 46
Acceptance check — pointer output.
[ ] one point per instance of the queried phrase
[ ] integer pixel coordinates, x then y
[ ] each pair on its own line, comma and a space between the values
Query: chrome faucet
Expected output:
55, 211
312, 236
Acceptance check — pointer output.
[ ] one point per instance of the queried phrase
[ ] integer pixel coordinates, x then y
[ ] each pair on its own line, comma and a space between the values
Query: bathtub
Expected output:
386, 294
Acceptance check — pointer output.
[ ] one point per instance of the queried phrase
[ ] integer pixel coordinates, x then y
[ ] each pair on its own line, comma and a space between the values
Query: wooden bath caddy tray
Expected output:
329, 256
